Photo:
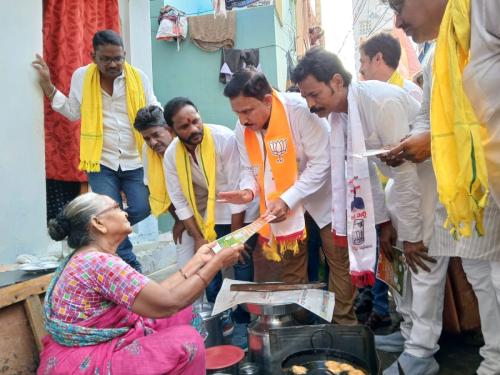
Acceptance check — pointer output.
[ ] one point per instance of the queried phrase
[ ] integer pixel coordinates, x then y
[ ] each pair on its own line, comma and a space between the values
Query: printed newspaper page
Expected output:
318, 301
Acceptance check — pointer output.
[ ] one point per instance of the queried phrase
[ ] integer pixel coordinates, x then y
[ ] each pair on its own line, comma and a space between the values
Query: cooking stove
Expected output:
356, 340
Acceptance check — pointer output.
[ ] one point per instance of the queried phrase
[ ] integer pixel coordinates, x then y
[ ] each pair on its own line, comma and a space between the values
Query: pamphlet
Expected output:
369, 153
241, 235
393, 273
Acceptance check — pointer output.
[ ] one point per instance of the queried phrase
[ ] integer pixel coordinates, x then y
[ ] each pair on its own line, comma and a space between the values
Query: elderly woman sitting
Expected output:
103, 317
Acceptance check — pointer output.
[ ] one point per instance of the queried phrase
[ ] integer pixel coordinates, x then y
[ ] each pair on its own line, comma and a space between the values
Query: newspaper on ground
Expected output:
318, 301
393, 273
241, 235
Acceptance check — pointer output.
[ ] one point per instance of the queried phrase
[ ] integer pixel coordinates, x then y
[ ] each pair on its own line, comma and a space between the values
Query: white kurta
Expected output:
311, 140
386, 112
119, 148
227, 177
482, 79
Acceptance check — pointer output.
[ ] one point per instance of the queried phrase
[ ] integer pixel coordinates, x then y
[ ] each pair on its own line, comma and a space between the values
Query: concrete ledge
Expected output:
157, 255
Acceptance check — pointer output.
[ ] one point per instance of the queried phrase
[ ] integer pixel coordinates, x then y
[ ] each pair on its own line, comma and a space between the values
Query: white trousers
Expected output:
484, 278
185, 251
422, 308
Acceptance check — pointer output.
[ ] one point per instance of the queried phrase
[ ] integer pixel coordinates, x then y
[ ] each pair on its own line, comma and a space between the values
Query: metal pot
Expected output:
314, 359
213, 324
268, 317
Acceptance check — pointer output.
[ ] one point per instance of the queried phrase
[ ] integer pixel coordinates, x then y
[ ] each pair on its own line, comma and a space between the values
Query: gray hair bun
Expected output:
60, 227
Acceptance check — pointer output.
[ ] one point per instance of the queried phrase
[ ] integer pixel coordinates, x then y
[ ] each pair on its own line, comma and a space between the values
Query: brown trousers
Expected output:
293, 269
339, 278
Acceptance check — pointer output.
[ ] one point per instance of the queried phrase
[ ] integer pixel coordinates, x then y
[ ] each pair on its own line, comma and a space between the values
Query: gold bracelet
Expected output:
182, 273
202, 279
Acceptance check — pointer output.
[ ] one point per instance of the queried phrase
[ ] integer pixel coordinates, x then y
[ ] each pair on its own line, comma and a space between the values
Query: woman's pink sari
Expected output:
151, 346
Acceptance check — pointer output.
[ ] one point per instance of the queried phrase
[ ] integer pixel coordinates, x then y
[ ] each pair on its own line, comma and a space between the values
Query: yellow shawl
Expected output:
396, 79
280, 151
457, 135
159, 200
91, 132
208, 165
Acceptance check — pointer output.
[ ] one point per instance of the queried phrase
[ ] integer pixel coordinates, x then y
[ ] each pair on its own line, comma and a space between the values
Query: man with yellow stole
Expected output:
106, 95
202, 161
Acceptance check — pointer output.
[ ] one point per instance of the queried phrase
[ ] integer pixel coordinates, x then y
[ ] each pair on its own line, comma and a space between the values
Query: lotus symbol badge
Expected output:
278, 148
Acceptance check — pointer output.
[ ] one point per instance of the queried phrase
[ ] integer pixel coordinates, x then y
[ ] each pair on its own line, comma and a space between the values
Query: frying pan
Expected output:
314, 359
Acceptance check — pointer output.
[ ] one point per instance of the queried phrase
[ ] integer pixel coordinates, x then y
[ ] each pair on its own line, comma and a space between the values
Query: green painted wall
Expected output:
194, 73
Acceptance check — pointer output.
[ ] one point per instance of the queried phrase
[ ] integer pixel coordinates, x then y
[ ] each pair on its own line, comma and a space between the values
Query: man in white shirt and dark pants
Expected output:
283, 119
120, 167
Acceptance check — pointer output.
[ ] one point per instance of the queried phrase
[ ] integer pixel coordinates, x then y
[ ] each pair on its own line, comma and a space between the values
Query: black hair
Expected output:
386, 44
248, 82
104, 37
322, 65
149, 116
174, 106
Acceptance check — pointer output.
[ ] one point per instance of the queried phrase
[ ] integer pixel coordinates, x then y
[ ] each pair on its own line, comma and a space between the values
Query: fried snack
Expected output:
299, 370
346, 367
356, 372
333, 366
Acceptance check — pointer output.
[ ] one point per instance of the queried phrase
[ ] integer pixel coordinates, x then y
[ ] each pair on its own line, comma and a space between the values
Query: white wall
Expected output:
22, 158
136, 33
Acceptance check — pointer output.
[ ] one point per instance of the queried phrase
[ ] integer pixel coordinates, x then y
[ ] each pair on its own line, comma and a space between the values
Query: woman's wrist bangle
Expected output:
183, 274
202, 279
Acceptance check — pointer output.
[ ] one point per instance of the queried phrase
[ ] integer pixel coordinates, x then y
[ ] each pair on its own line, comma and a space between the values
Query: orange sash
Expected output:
279, 149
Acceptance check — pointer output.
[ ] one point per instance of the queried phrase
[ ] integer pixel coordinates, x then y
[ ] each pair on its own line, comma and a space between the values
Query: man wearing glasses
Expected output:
106, 96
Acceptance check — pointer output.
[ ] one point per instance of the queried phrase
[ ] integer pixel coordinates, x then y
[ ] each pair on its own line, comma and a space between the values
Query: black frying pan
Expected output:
314, 359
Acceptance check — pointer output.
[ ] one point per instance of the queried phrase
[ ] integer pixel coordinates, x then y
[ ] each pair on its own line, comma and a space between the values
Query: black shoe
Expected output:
376, 321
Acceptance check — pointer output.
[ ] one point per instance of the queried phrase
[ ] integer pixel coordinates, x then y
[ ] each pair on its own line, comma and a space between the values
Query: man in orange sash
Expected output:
285, 160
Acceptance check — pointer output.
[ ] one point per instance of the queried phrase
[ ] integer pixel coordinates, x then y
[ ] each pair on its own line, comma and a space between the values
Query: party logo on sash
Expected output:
278, 148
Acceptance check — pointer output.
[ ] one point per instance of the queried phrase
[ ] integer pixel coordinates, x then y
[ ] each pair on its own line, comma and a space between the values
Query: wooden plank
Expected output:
8, 267
34, 312
19, 292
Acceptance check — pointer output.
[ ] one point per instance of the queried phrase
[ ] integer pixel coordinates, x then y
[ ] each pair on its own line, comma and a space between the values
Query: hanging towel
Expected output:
213, 32
233, 60
230, 4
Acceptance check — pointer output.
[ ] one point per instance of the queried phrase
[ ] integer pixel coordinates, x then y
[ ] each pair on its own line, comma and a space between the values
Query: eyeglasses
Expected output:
106, 60
113, 207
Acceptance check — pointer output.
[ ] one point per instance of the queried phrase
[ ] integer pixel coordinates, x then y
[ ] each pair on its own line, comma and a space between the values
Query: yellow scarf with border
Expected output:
457, 135
159, 201
280, 151
91, 131
208, 165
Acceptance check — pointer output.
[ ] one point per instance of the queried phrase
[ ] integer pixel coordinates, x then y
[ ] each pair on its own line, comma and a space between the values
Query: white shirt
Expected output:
413, 89
226, 179
119, 148
311, 140
386, 112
